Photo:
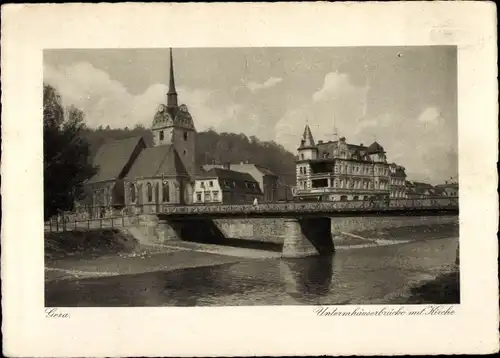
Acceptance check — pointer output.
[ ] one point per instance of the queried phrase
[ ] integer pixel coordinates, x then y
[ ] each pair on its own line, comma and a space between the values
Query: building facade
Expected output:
268, 181
225, 186
397, 176
338, 171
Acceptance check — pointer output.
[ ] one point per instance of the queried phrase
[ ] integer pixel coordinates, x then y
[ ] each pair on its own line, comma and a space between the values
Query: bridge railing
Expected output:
359, 205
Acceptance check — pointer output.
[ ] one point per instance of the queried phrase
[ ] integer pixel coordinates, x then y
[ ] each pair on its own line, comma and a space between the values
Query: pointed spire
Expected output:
307, 138
172, 94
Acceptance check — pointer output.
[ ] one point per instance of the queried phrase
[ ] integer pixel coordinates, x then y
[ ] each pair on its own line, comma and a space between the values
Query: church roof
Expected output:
112, 157
156, 161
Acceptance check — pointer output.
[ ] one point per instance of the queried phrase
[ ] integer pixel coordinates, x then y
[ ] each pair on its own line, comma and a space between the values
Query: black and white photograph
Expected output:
251, 176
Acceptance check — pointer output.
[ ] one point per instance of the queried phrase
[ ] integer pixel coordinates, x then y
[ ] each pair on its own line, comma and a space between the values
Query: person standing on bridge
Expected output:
255, 202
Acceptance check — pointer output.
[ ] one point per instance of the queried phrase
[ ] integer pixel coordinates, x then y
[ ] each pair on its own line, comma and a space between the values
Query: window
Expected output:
355, 197
132, 192
184, 151
215, 195
211, 183
185, 135
166, 191
162, 135
198, 196
302, 156
149, 189
207, 196
202, 184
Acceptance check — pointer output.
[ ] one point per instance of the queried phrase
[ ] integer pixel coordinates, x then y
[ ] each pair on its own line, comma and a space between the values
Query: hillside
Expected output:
218, 148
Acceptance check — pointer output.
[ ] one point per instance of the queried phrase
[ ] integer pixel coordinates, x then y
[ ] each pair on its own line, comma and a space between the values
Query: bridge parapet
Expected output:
313, 207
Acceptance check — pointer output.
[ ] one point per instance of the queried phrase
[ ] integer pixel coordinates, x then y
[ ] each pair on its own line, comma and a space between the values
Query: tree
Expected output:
65, 154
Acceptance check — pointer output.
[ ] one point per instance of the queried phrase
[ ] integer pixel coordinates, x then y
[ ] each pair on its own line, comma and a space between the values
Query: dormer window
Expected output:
162, 135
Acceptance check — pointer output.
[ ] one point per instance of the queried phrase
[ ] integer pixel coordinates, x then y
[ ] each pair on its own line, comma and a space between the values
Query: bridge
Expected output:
308, 229
307, 225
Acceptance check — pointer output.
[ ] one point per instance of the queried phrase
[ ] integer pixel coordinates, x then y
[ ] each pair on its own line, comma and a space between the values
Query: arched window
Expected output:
149, 189
166, 191
133, 194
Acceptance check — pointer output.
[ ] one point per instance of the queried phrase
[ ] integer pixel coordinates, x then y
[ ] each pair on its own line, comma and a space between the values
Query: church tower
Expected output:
173, 125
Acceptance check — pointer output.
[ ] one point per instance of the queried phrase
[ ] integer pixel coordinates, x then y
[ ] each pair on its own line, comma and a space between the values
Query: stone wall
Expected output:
361, 223
267, 230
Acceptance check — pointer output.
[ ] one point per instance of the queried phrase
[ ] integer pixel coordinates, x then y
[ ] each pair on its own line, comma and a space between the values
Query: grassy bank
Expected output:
87, 244
444, 289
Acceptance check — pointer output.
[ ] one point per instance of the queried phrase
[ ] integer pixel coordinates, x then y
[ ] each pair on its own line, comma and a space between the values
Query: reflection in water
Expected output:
307, 278
252, 282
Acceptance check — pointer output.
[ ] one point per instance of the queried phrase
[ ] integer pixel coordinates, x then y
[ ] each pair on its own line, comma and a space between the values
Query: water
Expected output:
360, 276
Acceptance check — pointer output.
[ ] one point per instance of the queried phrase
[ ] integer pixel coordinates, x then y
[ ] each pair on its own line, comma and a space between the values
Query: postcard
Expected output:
249, 179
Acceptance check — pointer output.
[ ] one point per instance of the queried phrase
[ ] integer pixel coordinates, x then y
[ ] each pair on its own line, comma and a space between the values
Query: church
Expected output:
132, 175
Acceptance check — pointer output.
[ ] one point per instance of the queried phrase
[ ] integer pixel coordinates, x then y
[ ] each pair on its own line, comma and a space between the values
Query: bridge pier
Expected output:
307, 237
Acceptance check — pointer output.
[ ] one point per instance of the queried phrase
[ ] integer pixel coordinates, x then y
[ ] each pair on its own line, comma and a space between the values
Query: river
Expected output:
366, 275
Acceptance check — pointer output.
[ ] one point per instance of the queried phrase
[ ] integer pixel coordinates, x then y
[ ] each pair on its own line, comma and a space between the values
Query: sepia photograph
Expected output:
250, 176
254, 179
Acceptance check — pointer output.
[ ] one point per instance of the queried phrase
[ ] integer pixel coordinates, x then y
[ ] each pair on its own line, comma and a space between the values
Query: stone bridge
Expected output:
307, 226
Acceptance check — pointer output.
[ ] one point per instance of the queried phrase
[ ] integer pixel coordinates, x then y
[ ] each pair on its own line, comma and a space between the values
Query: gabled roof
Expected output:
246, 166
112, 157
227, 177
375, 148
156, 161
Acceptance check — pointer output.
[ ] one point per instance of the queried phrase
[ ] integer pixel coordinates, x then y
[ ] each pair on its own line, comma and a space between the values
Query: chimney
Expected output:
320, 141
361, 145
227, 166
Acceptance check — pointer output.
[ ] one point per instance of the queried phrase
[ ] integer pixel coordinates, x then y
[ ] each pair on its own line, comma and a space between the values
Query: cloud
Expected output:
425, 145
108, 102
336, 86
339, 103
271, 82
430, 115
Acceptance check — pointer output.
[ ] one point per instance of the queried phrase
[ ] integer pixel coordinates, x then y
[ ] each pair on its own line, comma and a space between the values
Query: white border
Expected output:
26, 30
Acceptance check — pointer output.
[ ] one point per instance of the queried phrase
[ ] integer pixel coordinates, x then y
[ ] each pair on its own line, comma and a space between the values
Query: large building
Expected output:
131, 174
338, 171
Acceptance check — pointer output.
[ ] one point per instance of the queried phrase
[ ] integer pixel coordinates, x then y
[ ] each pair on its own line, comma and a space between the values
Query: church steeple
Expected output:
172, 94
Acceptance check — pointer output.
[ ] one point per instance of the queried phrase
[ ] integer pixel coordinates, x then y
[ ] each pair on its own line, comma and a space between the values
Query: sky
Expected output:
405, 98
